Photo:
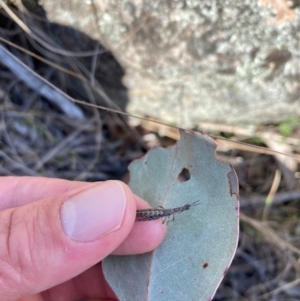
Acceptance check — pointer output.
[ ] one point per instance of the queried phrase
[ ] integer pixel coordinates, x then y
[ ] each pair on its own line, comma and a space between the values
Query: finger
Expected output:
144, 236
90, 284
36, 297
18, 191
47, 242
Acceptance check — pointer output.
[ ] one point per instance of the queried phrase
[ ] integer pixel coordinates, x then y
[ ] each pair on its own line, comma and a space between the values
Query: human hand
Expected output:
54, 233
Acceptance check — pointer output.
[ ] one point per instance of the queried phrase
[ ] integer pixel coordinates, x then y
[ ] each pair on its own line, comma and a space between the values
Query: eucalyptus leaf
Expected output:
201, 242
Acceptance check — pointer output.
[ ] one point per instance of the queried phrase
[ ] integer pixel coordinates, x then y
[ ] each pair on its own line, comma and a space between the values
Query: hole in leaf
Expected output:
184, 175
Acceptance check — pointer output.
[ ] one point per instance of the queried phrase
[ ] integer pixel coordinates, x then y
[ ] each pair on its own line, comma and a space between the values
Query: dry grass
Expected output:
38, 139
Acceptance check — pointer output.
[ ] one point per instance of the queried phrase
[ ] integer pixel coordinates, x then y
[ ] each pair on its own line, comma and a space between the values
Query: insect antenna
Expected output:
196, 203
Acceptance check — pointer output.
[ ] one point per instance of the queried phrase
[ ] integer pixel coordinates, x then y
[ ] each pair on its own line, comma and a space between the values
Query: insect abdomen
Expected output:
150, 214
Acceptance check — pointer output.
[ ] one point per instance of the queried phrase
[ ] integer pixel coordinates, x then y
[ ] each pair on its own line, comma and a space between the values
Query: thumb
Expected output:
47, 242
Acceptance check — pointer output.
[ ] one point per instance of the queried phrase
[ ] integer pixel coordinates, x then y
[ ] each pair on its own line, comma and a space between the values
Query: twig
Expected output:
272, 193
282, 288
269, 234
40, 85
60, 146
37, 38
279, 198
18, 165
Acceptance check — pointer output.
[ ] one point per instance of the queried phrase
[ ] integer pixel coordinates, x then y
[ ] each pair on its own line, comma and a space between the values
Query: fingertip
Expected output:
144, 237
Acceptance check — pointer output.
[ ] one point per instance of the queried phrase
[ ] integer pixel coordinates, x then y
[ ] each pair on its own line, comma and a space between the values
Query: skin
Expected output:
39, 262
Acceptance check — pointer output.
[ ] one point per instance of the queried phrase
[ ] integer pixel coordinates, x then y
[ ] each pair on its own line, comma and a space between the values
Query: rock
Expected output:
190, 61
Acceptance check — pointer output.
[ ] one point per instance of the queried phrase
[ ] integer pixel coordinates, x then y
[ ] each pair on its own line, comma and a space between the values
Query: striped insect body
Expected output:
161, 212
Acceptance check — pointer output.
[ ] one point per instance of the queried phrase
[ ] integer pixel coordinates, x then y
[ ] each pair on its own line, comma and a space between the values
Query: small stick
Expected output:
160, 212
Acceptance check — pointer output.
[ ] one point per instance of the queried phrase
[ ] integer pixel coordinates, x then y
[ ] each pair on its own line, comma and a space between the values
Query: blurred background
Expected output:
227, 68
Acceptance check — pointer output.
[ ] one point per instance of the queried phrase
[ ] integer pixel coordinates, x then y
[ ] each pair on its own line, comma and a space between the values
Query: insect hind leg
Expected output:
166, 219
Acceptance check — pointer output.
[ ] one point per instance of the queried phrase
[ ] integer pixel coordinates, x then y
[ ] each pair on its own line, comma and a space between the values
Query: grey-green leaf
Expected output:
201, 242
